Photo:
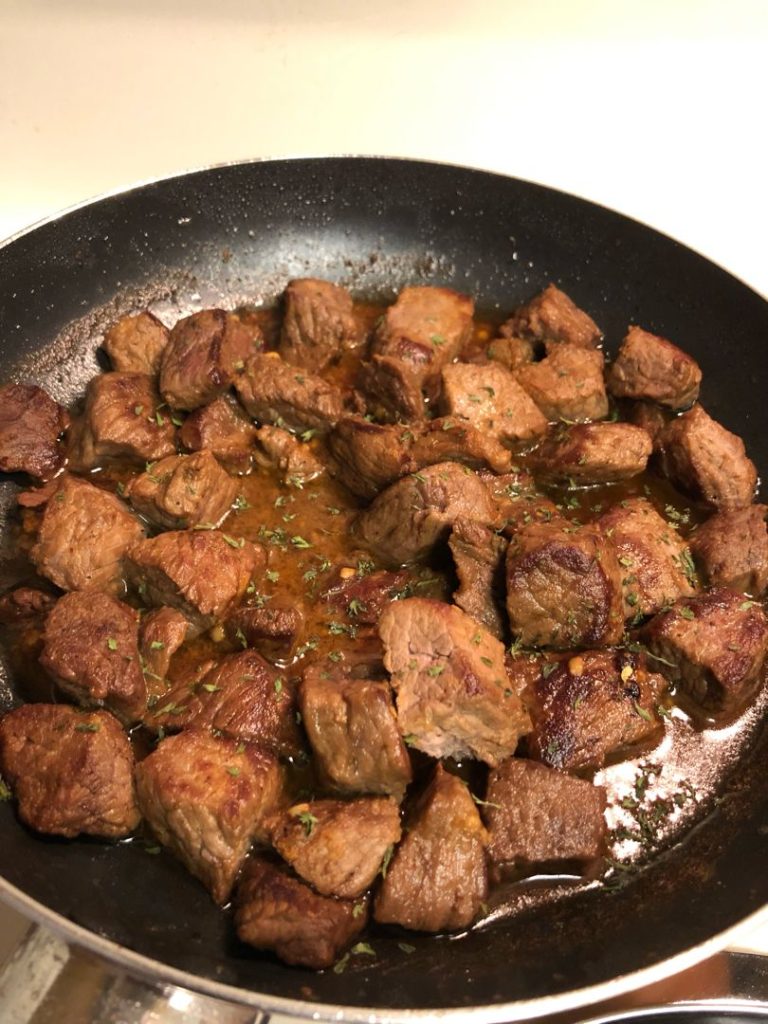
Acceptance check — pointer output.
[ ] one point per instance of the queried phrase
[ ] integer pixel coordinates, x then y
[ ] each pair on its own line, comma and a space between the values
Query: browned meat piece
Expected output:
568, 384
91, 650
273, 391
517, 500
30, 425
490, 398
364, 597
707, 461
206, 798
71, 771
337, 846
731, 549
653, 369
23, 604
593, 708
352, 728
183, 491
273, 629
593, 453
276, 911
392, 389
83, 536
417, 512
135, 344
161, 634
510, 350
278, 448
563, 587
203, 573
478, 554
319, 324
453, 699
713, 648
370, 456
652, 418
223, 428
543, 820
437, 878
205, 355
553, 318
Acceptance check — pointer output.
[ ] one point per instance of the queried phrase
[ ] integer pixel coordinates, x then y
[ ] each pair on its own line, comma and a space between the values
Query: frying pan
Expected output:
236, 234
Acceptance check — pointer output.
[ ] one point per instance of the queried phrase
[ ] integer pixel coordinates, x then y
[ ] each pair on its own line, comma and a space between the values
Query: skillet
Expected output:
235, 234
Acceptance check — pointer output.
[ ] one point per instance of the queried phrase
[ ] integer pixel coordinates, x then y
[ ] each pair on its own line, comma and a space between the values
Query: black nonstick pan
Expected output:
237, 234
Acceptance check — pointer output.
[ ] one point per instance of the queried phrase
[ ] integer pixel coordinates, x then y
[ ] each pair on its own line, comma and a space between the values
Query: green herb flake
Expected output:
308, 820
278, 686
686, 612
746, 605
234, 543
233, 770
643, 712
138, 410
5, 793
240, 637
112, 643
363, 949
211, 687
299, 542
437, 340
435, 670
272, 576
406, 947
387, 859
307, 435
486, 661
477, 639
240, 503
87, 727
341, 965
157, 645
358, 909
484, 803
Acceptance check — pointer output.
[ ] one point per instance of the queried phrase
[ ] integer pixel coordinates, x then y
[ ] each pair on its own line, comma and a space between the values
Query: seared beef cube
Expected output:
161, 634
223, 428
518, 502
72, 772
553, 318
563, 587
206, 798
593, 708
731, 549
707, 461
453, 698
23, 604
365, 597
713, 648
352, 728
437, 878
135, 344
274, 629
83, 536
417, 512
337, 846
91, 650
490, 398
593, 453
294, 460
204, 356
275, 911
542, 820
656, 564
202, 573
392, 388
318, 325
510, 350
478, 554
30, 425
183, 491
652, 368
568, 384
651, 418
273, 391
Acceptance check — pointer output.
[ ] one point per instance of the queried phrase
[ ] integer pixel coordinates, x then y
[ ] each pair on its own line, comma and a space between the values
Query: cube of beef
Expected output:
280, 450
563, 586
83, 536
593, 453
205, 355
649, 417
478, 555
135, 344
274, 629
552, 317
161, 634
568, 384
337, 846
731, 549
223, 428
71, 771
352, 728
318, 325
453, 698
713, 648
183, 491
707, 461
91, 650
364, 596
651, 368
274, 910
437, 878
593, 708
490, 398
414, 514
206, 798
509, 350
23, 605
393, 388
518, 502
273, 391
656, 564
30, 426
540, 820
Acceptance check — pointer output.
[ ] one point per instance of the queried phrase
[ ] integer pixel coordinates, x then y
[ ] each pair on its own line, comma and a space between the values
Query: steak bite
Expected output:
478, 555
437, 878
715, 646
490, 398
509, 350
568, 384
553, 318
135, 344
414, 514
731, 549
91, 650
274, 629
83, 536
453, 696
274, 910
563, 587
650, 417
30, 426
593, 453
540, 820
23, 605
224, 429
71, 772
707, 461
206, 798
183, 491
518, 502
337, 846
281, 450
161, 634
273, 391
364, 597
651, 368
318, 325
